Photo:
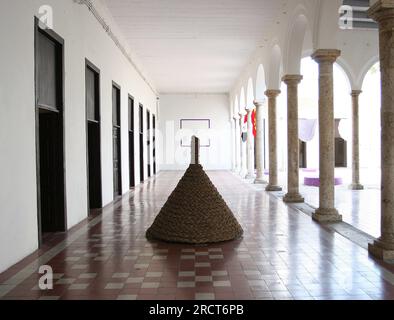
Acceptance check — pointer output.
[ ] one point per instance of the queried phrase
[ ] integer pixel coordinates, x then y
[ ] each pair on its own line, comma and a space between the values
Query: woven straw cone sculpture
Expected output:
195, 213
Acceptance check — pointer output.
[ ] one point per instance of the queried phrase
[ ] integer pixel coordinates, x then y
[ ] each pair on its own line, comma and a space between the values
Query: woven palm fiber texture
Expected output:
195, 213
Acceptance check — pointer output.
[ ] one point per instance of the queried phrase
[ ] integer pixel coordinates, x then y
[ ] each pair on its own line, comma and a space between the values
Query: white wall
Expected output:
175, 107
84, 38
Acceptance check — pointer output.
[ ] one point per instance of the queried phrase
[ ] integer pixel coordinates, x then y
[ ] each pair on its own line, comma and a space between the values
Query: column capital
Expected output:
272, 93
236, 117
326, 55
258, 103
356, 93
381, 10
292, 79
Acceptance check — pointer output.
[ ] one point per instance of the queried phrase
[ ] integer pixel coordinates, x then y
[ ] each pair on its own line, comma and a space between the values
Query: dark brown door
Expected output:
340, 147
148, 143
93, 136
116, 130
303, 154
141, 138
49, 132
154, 144
340, 153
131, 143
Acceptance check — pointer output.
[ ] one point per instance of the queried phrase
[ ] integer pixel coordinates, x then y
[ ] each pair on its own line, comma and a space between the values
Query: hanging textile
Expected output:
345, 129
307, 129
253, 122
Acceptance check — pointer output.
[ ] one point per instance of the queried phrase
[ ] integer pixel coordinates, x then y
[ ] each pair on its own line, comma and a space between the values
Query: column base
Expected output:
327, 215
356, 186
382, 251
250, 176
260, 181
293, 198
271, 188
242, 173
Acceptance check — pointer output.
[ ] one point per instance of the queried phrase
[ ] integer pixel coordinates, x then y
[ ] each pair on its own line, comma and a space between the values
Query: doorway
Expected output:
141, 138
49, 86
340, 147
303, 154
116, 138
93, 132
148, 142
340, 153
154, 144
131, 142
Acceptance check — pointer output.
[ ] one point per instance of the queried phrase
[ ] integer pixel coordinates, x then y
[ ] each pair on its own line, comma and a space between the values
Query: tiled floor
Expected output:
361, 209
283, 255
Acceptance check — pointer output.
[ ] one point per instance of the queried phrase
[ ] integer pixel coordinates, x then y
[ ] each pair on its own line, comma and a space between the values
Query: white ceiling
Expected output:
192, 46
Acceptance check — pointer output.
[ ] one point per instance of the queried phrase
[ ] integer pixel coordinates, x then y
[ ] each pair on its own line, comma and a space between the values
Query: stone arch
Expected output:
242, 101
275, 68
364, 71
345, 67
250, 94
296, 37
260, 83
236, 106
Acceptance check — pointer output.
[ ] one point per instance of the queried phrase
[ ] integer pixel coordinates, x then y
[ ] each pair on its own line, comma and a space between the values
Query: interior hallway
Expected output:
283, 255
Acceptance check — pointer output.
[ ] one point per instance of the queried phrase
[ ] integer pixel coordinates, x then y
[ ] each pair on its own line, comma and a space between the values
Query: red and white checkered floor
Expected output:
283, 255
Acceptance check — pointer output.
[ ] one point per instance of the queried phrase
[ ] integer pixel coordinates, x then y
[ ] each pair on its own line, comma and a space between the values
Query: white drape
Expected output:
307, 129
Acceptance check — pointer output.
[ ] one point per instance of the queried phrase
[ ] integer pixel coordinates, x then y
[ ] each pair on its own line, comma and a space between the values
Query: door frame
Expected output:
52, 35
141, 141
154, 124
130, 97
117, 86
89, 64
148, 144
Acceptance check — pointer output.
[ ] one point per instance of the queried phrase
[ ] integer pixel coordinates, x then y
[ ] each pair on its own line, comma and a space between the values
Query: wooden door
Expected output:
49, 104
116, 138
93, 128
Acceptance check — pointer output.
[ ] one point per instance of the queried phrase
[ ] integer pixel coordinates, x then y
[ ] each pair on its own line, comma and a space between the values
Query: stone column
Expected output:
243, 170
293, 194
273, 153
383, 13
237, 145
250, 146
356, 144
326, 211
259, 143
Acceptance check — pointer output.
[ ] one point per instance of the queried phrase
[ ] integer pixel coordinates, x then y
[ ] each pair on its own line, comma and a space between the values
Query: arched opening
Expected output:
309, 114
260, 83
370, 128
236, 106
308, 95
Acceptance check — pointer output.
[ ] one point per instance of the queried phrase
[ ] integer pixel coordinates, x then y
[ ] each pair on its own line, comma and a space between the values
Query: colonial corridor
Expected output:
283, 255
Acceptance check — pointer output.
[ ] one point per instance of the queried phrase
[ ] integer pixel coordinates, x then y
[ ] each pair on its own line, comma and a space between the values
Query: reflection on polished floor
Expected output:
283, 255
361, 209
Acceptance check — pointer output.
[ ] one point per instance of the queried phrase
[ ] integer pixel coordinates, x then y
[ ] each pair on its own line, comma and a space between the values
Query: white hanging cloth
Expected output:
306, 129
